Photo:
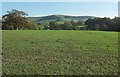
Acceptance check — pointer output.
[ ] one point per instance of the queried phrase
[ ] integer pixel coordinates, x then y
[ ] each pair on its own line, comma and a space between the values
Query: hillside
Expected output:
46, 19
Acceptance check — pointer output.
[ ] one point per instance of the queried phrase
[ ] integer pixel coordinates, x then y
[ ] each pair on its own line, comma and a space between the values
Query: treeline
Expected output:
104, 24
67, 25
17, 20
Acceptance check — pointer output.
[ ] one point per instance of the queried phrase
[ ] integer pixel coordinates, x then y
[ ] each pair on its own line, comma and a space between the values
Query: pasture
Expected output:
59, 52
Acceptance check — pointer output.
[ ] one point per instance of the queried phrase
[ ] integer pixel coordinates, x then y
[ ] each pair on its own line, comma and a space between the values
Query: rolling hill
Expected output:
62, 18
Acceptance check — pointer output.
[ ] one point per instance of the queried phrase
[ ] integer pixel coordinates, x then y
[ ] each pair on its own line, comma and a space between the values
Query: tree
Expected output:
90, 23
80, 23
67, 26
97, 26
15, 20
103, 24
54, 25
0, 24
73, 23
116, 24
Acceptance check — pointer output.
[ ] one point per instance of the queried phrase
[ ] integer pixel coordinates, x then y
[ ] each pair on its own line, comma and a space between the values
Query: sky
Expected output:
119, 9
59, 0
99, 9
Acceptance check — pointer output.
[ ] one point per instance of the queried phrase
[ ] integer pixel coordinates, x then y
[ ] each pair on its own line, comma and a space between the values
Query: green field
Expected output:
59, 52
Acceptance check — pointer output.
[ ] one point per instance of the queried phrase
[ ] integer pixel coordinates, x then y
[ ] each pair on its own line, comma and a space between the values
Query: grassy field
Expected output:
60, 52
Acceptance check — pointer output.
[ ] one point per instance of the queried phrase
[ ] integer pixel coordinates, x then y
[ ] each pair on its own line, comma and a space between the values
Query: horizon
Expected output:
66, 15
38, 9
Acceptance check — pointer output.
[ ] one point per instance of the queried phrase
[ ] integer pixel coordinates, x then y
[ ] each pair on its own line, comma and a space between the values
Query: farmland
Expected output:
59, 52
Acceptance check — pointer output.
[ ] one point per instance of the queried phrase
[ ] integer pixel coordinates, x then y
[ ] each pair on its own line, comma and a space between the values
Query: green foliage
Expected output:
54, 26
80, 23
60, 52
46, 19
67, 25
0, 24
103, 24
15, 20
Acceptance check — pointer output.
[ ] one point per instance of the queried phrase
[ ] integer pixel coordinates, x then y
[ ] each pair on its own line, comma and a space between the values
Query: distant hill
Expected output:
62, 18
